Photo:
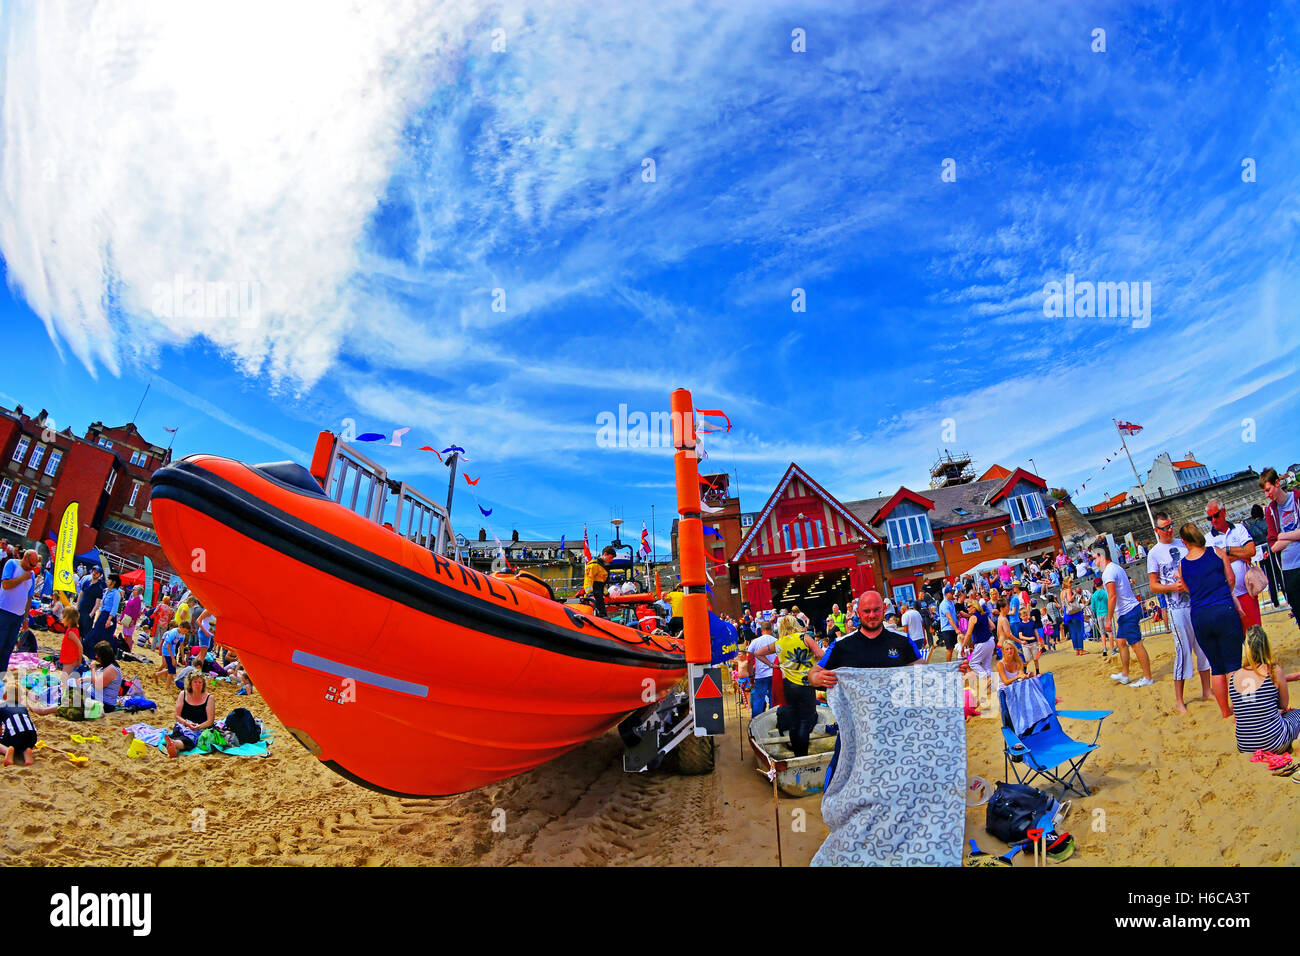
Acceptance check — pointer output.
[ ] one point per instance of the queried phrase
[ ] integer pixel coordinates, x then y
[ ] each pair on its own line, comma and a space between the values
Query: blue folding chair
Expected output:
1044, 747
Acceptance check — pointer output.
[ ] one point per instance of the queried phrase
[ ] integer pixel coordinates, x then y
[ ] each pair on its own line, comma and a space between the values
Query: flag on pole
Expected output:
586, 545
171, 429
1128, 428
645, 539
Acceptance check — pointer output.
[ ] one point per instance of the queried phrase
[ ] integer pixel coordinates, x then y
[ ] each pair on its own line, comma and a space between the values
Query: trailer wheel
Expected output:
694, 755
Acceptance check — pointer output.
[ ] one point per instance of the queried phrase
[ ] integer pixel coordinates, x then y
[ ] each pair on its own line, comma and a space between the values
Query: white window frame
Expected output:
6, 486
909, 530
20, 500
37, 503
52, 463
105, 443
20, 450
135, 493
1030, 505
38, 455
112, 480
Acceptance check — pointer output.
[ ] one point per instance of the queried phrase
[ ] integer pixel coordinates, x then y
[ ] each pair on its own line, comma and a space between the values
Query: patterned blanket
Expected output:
897, 797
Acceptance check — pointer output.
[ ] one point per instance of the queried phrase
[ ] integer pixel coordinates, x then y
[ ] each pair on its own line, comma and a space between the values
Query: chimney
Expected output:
40, 419
514, 535
482, 534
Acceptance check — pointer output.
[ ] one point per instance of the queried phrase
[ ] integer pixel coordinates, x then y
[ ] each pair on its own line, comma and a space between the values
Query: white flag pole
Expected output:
1141, 487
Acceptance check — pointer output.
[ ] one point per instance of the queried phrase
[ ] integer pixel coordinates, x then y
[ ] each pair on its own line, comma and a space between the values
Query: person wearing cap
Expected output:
948, 626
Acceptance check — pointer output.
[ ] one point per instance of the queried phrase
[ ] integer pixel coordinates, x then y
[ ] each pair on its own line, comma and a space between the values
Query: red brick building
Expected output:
107, 472
808, 549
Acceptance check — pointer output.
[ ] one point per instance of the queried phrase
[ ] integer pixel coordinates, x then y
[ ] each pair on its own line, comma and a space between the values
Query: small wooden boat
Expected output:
795, 776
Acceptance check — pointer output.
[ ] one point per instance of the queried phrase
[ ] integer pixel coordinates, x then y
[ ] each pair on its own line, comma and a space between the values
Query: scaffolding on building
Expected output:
951, 469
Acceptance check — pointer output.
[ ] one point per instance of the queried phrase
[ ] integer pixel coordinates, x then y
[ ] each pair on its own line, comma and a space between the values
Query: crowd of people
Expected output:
1204, 583
100, 625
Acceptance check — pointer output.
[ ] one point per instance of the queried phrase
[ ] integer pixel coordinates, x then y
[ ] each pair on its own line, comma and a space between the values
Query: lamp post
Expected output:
616, 522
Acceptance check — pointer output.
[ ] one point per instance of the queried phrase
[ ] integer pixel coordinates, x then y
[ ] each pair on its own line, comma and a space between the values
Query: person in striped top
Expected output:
1260, 699
17, 732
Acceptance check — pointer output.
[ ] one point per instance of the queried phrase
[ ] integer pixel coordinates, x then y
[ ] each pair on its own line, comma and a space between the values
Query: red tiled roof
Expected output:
1189, 463
997, 471
1110, 502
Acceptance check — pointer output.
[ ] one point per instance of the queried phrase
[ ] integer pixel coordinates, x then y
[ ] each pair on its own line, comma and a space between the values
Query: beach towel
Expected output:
137, 703
898, 794
153, 736
25, 661
1026, 704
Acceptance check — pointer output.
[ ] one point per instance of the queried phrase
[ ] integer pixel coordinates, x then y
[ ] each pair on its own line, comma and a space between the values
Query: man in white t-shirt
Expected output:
763, 648
1123, 618
1164, 576
914, 624
1236, 541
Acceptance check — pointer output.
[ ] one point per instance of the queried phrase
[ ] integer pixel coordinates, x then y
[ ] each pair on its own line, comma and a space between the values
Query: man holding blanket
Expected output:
871, 645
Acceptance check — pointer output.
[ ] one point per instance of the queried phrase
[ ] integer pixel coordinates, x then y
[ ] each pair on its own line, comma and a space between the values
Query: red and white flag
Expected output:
586, 545
645, 539
1128, 428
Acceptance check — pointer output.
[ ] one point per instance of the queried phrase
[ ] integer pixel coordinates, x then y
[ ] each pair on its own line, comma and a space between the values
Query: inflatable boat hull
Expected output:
398, 668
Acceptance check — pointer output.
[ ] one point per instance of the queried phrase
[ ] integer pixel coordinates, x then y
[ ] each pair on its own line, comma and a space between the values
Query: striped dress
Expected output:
1260, 725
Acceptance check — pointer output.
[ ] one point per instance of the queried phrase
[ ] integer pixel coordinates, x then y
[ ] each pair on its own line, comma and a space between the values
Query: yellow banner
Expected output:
64, 579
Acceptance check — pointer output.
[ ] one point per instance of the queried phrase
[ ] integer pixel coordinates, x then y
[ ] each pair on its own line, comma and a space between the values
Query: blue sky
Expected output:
375, 174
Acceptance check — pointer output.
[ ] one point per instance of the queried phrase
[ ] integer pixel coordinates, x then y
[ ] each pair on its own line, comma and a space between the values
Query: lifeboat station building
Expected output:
806, 548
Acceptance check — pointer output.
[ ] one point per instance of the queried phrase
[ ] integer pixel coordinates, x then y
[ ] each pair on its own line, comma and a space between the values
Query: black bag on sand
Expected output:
243, 726
1014, 809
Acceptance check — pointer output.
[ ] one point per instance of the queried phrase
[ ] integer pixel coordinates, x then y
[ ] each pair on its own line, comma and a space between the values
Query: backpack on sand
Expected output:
243, 727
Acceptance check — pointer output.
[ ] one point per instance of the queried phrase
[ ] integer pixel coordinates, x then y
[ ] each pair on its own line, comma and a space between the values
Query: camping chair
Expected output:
1044, 747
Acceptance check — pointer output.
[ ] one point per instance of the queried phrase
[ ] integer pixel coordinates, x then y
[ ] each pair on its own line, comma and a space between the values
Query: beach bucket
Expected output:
137, 748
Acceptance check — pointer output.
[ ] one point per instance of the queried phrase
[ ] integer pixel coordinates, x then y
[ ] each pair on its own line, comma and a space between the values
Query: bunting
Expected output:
371, 436
465, 475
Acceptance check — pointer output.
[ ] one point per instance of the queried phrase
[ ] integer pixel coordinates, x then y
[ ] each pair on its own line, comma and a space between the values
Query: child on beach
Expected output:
17, 732
70, 651
171, 641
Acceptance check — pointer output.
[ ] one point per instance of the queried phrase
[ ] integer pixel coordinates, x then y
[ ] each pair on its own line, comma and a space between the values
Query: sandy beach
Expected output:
1167, 791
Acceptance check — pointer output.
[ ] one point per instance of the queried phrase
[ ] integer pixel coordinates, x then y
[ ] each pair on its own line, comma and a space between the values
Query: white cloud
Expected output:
230, 142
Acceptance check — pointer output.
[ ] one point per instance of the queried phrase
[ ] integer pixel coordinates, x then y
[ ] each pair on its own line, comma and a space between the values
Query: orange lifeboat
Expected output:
396, 666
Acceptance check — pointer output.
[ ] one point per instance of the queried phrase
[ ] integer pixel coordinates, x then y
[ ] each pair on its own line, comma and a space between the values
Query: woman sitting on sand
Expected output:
1011, 668
105, 681
195, 713
1260, 699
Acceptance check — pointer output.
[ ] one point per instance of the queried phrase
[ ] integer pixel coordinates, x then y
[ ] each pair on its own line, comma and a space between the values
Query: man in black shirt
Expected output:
871, 645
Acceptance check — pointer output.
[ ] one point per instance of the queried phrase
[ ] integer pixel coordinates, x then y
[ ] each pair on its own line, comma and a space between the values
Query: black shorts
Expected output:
948, 639
23, 740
